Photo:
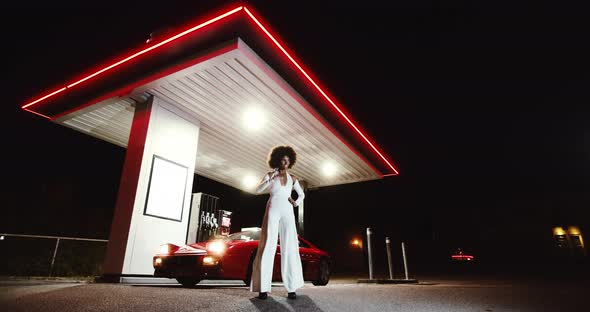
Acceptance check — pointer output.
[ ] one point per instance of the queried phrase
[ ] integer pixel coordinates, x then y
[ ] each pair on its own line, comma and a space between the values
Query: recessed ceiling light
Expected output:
249, 182
329, 169
254, 119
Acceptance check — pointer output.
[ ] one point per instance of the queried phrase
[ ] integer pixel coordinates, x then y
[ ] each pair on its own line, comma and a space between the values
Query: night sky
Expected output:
482, 107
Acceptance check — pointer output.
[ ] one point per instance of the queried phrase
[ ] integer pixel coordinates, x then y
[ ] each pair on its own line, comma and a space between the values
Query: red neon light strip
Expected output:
168, 71
158, 45
44, 97
28, 110
272, 38
137, 54
319, 89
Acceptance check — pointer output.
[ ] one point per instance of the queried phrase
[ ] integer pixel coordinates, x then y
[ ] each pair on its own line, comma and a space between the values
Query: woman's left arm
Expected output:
300, 194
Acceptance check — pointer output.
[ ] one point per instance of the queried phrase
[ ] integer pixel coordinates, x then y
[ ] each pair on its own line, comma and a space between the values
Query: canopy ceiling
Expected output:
246, 102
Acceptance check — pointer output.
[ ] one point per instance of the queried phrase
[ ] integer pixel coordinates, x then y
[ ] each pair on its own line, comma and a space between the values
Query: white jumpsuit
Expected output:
278, 218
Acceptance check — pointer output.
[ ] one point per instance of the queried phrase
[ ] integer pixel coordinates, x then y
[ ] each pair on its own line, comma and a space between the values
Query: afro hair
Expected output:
278, 152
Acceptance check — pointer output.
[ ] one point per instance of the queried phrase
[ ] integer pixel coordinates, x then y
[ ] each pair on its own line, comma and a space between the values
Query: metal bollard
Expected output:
53, 259
388, 246
405, 262
369, 253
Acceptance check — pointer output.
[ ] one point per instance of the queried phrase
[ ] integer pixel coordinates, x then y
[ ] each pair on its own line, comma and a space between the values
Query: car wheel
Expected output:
249, 269
188, 281
324, 274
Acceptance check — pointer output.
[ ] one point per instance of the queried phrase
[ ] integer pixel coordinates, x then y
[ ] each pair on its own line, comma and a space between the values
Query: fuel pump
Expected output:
225, 217
207, 220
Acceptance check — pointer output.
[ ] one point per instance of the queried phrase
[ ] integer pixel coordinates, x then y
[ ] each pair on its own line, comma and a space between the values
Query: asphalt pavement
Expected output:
343, 293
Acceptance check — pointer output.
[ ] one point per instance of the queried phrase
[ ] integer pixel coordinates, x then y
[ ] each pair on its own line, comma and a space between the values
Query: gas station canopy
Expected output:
248, 92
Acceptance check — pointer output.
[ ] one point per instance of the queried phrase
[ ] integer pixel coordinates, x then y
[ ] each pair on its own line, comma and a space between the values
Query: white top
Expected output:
272, 180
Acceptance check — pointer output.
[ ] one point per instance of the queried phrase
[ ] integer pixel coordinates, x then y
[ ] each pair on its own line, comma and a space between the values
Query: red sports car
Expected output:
231, 258
460, 255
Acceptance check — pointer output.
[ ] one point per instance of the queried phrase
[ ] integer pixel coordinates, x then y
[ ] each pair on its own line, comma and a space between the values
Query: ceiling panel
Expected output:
219, 91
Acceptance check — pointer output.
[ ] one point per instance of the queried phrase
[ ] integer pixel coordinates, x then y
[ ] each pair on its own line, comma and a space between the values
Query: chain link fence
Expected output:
36, 255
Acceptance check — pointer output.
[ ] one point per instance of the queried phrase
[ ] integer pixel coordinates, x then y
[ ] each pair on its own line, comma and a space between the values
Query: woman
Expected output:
279, 219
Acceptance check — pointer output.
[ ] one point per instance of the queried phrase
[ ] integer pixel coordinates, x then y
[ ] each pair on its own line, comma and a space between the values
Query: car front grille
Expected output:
182, 261
188, 260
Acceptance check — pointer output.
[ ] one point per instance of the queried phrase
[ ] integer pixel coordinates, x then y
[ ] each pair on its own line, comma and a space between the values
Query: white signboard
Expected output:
165, 198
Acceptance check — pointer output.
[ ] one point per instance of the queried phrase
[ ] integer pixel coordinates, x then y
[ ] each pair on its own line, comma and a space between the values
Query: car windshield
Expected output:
244, 236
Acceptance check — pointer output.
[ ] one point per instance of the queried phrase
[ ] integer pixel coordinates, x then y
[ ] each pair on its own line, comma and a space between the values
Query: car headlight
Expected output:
208, 260
168, 249
216, 247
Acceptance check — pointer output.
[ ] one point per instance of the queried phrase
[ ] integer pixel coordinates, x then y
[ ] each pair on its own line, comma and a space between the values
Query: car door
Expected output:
308, 260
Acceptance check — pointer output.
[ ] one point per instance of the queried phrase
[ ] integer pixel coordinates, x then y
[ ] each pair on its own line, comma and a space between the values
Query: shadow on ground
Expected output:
193, 287
302, 303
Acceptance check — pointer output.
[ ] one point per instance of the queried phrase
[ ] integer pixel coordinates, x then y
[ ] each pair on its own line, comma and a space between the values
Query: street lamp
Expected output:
356, 243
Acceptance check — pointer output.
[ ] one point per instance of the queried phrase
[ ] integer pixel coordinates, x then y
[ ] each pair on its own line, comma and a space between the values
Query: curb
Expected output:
387, 281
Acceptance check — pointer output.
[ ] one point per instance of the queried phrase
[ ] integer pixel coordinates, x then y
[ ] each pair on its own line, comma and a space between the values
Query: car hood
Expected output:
200, 248
191, 249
